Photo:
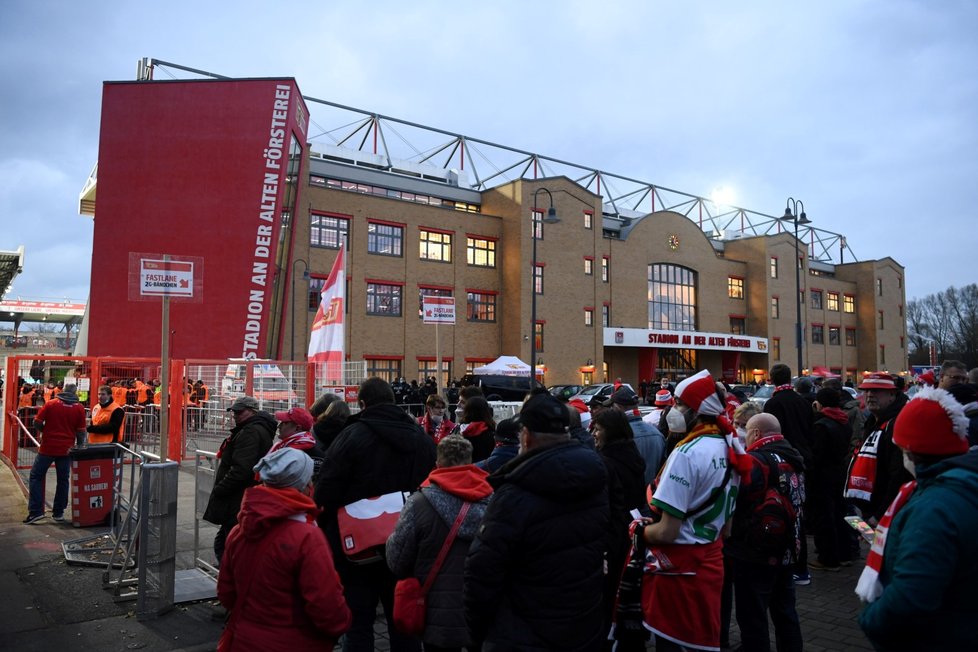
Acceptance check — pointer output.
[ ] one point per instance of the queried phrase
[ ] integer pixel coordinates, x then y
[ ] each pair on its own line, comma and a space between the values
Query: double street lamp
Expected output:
551, 218
794, 211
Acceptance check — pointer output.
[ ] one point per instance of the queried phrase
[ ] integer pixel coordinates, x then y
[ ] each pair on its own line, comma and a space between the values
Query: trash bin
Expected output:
92, 483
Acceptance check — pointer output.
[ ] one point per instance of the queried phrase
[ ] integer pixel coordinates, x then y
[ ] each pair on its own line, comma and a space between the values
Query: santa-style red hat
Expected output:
699, 392
927, 378
932, 423
663, 397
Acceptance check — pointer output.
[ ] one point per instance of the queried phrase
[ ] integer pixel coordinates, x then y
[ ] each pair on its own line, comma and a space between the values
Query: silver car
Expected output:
763, 393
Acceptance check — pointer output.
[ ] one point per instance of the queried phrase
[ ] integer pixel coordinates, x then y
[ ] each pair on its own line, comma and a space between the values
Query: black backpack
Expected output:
771, 525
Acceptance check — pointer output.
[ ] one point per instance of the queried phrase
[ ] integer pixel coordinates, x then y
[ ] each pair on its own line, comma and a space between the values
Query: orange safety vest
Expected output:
203, 393
119, 395
50, 393
26, 400
101, 417
142, 392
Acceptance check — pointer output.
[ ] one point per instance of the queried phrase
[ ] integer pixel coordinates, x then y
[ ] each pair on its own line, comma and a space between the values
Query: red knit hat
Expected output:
932, 423
927, 377
663, 397
699, 392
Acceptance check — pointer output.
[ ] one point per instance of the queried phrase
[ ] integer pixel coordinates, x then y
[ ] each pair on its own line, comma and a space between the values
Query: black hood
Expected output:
787, 452
391, 424
564, 472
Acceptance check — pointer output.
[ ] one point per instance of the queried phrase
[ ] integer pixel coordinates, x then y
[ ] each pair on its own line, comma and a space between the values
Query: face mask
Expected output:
676, 421
435, 418
909, 465
742, 433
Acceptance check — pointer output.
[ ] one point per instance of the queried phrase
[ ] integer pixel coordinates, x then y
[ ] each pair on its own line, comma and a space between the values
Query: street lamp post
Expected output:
551, 218
794, 211
305, 276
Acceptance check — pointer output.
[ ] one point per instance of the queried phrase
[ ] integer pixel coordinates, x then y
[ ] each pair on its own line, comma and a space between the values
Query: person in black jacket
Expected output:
764, 582
797, 418
535, 572
626, 492
825, 482
380, 451
251, 437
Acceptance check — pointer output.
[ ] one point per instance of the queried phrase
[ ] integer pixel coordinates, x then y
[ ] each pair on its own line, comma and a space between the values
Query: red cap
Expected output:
877, 380
297, 415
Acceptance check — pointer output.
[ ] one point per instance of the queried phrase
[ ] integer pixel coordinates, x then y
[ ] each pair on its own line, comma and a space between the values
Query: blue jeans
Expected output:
62, 466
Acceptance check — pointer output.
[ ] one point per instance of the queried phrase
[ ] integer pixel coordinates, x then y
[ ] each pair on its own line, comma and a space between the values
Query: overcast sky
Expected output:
865, 110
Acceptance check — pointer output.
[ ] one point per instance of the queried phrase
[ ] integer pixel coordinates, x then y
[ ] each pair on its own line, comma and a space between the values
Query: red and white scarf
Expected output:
869, 587
862, 470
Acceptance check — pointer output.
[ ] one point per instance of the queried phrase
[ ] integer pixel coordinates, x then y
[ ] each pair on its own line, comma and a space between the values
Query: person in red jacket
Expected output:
277, 578
61, 423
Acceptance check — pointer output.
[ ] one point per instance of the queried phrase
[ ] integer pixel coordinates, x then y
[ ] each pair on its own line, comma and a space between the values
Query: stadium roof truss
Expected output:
342, 132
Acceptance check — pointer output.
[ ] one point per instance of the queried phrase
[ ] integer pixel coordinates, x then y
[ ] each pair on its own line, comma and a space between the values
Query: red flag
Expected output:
327, 340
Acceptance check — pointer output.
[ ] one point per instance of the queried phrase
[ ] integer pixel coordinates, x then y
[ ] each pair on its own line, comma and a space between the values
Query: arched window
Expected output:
672, 297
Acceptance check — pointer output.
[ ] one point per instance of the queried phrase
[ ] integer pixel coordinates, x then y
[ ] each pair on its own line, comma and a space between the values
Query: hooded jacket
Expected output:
481, 436
239, 454
930, 564
534, 574
421, 531
277, 580
381, 450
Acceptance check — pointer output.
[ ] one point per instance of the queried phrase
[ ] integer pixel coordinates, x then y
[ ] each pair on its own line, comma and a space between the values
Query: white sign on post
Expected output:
166, 278
439, 310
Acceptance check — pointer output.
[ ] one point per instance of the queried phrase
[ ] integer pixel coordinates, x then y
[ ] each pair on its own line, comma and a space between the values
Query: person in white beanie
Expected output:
277, 578
921, 574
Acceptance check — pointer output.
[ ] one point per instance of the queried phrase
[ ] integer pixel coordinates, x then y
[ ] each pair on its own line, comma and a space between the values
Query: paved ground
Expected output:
46, 604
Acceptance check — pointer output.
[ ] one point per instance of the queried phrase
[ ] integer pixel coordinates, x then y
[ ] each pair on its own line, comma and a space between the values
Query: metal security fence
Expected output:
199, 391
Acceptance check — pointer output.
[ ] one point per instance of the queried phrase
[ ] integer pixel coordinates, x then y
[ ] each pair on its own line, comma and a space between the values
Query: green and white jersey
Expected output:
691, 474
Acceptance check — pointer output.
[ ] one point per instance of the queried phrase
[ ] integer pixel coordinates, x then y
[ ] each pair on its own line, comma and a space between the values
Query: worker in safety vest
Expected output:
108, 419
26, 396
50, 392
144, 392
118, 392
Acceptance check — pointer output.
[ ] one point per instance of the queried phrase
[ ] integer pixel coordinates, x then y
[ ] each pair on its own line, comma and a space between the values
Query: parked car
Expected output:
564, 392
599, 391
746, 389
763, 393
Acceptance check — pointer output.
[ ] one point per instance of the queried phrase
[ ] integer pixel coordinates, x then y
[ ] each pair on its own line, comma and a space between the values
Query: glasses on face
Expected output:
958, 378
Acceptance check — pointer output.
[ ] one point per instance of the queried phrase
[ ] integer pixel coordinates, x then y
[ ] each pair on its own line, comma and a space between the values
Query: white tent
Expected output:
505, 365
